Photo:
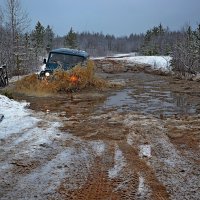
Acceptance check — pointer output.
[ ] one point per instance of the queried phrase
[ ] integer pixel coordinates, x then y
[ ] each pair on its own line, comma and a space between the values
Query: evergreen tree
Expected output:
49, 37
161, 29
38, 39
186, 54
70, 40
155, 41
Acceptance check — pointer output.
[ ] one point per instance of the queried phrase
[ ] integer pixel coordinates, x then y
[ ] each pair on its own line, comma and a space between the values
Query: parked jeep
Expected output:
63, 58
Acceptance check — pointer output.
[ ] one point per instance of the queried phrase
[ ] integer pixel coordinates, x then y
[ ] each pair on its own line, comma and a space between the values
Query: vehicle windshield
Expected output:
64, 61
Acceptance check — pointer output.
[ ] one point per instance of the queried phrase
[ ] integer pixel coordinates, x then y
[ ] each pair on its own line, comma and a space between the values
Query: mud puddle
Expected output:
150, 102
143, 93
150, 96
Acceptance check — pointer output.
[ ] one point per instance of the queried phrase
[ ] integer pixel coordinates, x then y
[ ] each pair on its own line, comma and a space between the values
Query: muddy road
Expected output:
141, 141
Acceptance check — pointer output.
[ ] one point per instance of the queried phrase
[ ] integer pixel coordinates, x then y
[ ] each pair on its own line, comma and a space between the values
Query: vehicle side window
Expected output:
53, 58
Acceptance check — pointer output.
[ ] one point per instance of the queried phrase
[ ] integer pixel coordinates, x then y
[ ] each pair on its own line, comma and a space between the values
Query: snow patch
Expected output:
66, 165
145, 150
119, 164
98, 147
156, 62
36, 136
16, 117
130, 139
143, 189
141, 185
24, 124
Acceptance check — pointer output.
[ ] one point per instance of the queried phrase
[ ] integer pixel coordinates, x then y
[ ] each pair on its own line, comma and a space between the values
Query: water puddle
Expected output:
150, 102
150, 97
120, 100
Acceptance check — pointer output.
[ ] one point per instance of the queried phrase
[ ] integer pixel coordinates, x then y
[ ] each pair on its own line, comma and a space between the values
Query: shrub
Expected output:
7, 93
77, 78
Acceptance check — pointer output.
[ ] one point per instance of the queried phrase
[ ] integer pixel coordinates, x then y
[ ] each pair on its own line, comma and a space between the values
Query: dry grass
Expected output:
77, 78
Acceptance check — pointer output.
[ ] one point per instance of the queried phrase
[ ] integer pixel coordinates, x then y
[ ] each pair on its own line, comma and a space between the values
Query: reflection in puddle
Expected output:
150, 98
120, 99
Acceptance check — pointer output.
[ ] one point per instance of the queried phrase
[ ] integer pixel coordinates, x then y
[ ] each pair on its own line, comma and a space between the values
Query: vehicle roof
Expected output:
75, 52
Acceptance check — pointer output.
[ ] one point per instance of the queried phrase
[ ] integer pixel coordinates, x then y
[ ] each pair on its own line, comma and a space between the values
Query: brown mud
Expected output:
138, 142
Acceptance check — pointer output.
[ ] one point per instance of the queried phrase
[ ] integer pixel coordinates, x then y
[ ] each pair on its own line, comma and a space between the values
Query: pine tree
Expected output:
38, 39
154, 41
49, 37
186, 53
70, 40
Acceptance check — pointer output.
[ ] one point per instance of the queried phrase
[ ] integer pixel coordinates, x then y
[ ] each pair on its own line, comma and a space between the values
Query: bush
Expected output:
75, 79
7, 93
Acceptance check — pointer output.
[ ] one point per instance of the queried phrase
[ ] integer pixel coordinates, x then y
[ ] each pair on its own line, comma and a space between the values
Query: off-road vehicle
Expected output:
63, 58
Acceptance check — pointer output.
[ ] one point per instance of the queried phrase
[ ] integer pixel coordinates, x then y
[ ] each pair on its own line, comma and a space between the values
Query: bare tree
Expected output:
3, 40
17, 20
16, 23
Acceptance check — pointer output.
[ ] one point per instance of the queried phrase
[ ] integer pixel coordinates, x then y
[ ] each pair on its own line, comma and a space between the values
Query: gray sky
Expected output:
117, 17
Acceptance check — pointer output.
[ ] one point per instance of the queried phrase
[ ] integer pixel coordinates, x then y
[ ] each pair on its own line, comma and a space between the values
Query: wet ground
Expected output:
138, 142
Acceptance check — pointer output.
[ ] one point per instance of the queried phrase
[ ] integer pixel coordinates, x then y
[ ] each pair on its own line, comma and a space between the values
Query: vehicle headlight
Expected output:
47, 74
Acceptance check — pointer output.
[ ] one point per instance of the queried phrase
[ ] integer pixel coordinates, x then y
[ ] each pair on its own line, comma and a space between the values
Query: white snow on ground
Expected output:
24, 122
98, 147
16, 117
124, 55
130, 139
141, 185
143, 190
68, 164
145, 150
156, 62
119, 164
15, 78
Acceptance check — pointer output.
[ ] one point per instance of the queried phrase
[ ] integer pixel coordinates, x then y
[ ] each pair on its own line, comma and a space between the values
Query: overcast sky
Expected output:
117, 17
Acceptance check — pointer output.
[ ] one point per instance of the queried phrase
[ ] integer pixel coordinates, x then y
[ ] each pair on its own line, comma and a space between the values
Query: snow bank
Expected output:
124, 55
157, 62
21, 124
16, 117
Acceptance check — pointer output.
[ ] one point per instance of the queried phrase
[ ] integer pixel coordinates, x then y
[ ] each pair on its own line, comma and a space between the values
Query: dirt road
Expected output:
139, 142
